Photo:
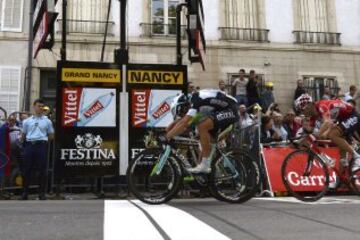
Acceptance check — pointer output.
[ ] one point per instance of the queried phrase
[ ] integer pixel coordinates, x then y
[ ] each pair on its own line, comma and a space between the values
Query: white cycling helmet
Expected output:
302, 101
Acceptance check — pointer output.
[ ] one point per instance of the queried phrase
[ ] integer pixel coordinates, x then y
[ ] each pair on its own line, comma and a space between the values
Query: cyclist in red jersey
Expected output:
340, 120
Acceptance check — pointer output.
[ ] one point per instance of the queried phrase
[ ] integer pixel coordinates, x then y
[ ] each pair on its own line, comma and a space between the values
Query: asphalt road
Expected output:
264, 218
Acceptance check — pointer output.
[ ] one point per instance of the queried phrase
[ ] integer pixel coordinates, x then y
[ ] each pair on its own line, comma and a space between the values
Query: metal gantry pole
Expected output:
64, 30
28, 78
178, 33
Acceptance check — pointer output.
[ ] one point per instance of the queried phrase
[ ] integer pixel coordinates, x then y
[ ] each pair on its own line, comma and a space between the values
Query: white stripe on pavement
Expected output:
123, 220
180, 225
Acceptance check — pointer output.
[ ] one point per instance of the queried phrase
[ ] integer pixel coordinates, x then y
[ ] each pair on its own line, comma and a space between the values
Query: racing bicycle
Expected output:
308, 173
156, 175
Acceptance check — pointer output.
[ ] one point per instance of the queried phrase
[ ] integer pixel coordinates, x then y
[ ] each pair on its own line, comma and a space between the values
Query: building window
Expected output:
163, 14
315, 85
314, 23
10, 78
11, 15
48, 87
87, 16
242, 21
260, 78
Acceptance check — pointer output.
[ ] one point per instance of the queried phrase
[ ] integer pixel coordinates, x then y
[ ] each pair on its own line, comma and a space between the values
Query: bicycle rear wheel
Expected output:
153, 188
354, 179
305, 175
234, 177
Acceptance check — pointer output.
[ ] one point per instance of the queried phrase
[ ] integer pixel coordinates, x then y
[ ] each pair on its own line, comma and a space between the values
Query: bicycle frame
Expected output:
190, 142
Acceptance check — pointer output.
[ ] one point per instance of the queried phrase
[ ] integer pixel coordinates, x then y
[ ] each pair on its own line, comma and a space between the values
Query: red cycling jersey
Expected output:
334, 109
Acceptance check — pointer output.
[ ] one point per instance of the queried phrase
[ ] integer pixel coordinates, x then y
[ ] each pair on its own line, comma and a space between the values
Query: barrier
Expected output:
274, 158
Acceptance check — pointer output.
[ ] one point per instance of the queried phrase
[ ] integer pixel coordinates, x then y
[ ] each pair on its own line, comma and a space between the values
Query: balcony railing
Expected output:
244, 34
328, 38
86, 27
161, 30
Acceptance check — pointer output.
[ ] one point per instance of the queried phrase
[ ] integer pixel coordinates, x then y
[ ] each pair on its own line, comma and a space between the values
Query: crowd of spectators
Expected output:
256, 100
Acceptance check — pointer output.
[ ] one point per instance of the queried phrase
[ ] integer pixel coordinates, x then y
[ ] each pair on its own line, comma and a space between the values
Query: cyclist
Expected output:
210, 111
340, 120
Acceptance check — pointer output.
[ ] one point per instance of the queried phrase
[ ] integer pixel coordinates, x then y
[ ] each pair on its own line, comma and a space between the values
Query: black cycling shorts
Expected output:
223, 119
351, 124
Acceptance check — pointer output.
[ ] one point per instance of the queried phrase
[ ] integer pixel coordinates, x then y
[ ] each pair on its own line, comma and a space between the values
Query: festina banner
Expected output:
87, 126
88, 152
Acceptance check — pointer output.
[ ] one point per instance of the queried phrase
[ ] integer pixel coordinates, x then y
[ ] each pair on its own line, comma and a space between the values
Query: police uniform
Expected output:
36, 130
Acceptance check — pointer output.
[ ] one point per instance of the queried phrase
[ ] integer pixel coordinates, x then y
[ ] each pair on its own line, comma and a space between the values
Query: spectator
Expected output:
299, 89
306, 128
291, 124
222, 86
278, 126
267, 96
252, 90
245, 119
240, 88
327, 94
274, 107
191, 88
351, 94
46, 111
37, 130
15, 131
352, 102
22, 118
268, 135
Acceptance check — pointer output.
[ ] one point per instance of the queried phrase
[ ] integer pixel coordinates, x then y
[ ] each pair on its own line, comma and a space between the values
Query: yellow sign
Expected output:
90, 75
155, 77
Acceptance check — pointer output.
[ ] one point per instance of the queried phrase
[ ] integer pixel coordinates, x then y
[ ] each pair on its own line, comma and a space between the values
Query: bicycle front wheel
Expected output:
305, 175
150, 187
234, 177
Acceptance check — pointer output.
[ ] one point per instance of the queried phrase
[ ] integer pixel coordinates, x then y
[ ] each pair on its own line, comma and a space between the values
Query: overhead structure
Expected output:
43, 24
195, 30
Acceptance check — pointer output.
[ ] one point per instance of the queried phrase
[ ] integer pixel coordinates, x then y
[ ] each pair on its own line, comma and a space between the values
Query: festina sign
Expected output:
88, 147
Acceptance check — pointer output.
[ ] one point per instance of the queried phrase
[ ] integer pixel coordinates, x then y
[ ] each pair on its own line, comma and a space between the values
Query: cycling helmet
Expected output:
180, 105
302, 101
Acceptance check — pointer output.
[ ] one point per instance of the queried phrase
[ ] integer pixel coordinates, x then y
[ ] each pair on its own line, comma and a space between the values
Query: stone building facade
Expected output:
314, 40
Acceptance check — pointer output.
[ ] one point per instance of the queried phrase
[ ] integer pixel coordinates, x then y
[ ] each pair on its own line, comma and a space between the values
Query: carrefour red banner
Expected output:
274, 158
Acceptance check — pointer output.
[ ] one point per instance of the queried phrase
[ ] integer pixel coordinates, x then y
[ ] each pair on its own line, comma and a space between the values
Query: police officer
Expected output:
37, 131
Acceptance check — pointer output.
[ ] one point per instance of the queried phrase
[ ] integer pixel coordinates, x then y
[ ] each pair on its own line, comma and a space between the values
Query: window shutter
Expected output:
10, 78
241, 13
313, 15
88, 15
12, 15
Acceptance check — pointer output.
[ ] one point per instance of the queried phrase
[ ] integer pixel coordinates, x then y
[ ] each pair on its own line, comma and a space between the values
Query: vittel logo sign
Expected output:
88, 147
140, 105
81, 107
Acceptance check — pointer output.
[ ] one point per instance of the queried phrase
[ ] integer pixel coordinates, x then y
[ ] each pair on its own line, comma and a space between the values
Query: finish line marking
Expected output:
130, 220
322, 201
122, 220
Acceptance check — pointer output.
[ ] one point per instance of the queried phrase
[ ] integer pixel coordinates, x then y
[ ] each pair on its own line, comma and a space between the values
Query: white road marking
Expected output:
123, 220
322, 201
179, 225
